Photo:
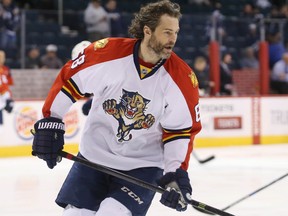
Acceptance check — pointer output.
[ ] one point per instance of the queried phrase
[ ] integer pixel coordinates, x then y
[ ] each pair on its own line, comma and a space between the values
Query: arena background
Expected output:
247, 133
256, 115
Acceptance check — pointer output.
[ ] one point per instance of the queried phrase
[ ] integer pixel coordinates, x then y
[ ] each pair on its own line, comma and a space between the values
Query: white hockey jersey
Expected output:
140, 116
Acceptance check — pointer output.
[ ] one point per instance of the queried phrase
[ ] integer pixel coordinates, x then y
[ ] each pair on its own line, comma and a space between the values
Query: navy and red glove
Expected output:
48, 140
9, 105
178, 189
86, 107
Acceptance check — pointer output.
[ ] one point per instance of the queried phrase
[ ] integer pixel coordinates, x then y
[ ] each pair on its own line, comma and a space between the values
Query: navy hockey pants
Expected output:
86, 188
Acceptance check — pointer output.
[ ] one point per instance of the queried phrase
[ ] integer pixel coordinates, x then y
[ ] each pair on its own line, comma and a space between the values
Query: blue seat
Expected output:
12, 63
52, 27
64, 53
32, 15
34, 38
49, 38
35, 27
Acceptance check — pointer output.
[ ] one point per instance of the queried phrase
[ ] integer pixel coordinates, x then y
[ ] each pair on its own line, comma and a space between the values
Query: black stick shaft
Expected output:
201, 161
254, 192
139, 182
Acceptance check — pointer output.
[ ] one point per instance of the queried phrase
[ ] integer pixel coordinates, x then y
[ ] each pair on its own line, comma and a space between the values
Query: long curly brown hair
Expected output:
150, 14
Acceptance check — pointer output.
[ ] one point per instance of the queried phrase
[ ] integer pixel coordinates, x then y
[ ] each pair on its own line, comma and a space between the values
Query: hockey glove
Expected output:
9, 105
178, 189
48, 140
86, 107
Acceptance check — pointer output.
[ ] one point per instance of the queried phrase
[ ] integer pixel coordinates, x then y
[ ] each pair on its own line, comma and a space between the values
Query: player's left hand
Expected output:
9, 105
178, 189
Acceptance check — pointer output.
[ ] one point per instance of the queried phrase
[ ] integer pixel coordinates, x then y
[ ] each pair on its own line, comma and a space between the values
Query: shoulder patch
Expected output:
100, 43
193, 79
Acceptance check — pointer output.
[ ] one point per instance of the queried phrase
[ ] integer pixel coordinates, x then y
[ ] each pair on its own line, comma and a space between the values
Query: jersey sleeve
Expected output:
9, 77
6, 80
82, 75
182, 119
69, 85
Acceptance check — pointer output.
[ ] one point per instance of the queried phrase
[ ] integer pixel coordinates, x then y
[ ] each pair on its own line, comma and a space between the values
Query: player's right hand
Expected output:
48, 139
178, 189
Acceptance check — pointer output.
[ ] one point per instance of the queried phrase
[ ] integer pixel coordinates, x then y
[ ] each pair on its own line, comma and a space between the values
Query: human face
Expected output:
228, 59
2, 57
163, 39
285, 58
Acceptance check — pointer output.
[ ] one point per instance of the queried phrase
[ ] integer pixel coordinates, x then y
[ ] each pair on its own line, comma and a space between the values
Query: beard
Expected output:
163, 51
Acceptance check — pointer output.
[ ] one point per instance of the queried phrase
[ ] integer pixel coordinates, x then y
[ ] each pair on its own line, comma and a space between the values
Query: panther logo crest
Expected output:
130, 114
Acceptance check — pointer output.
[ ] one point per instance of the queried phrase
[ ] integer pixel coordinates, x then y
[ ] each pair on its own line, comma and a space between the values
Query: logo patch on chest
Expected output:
130, 114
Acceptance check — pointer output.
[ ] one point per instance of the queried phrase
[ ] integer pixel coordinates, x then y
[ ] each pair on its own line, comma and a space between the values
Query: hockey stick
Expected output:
138, 182
247, 196
202, 161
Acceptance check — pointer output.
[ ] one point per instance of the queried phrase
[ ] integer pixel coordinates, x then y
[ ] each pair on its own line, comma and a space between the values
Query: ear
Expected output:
147, 31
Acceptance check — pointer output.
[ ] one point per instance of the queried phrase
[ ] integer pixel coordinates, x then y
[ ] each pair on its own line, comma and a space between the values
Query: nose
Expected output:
173, 38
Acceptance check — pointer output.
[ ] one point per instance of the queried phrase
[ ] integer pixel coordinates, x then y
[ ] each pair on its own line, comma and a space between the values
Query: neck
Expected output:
147, 54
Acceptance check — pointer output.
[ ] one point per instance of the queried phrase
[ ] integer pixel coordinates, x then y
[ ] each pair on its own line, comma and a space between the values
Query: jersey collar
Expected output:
137, 64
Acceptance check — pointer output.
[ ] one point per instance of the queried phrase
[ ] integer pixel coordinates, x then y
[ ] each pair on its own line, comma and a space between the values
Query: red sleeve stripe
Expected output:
175, 137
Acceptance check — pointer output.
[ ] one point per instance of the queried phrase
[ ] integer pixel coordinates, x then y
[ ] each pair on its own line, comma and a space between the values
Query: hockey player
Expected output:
143, 119
78, 48
6, 102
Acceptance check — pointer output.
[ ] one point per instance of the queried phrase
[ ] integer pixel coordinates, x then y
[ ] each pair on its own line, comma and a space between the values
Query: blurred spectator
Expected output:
226, 81
276, 48
248, 19
50, 59
274, 12
200, 2
279, 12
284, 11
6, 102
249, 11
279, 76
252, 36
97, 21
278, 3
263, 4
201, 69
249, 60
217, 20
33, 58
116, 25
9, 24
286, 45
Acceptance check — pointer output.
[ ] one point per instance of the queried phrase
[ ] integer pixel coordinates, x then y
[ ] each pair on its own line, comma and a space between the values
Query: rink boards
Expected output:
225, 121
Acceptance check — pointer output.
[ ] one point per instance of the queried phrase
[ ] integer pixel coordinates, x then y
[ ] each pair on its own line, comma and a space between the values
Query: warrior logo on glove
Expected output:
51, 125
131, 108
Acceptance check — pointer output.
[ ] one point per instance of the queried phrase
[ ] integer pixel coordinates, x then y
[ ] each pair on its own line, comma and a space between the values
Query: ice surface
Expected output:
29, 188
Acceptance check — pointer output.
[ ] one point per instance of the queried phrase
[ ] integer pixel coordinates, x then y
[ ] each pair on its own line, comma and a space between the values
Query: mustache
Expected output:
169, 45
